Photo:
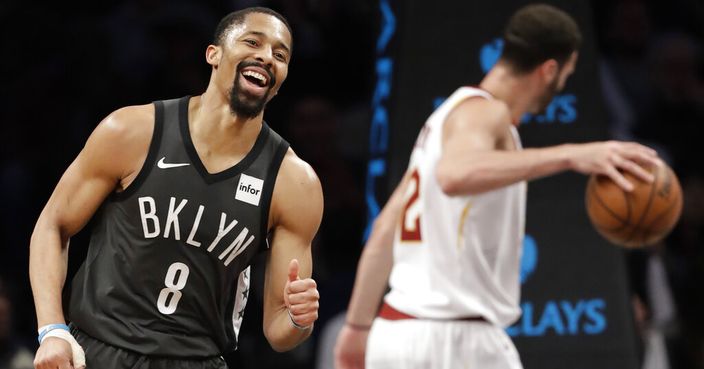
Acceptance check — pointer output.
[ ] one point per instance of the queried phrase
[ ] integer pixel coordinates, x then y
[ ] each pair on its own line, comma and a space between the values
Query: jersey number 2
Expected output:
410, 220
174, 284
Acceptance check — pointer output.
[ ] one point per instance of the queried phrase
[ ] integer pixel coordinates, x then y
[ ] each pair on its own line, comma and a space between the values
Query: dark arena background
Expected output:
363, 78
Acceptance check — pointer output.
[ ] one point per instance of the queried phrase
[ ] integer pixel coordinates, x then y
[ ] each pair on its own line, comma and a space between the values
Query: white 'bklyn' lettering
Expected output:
152, 229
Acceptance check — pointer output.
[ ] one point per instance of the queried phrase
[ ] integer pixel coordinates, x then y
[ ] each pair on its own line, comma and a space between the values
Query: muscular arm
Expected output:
297, 209
106, 159
472, 161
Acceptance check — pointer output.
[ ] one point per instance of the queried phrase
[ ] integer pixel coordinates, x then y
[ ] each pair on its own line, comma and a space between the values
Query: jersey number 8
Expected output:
174, 284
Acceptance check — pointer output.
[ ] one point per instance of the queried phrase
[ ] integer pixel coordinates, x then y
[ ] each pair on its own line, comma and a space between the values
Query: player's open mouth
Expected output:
256, 77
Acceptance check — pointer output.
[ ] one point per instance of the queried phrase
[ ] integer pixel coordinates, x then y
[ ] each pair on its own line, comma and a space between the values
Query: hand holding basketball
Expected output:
614, 159
639, 217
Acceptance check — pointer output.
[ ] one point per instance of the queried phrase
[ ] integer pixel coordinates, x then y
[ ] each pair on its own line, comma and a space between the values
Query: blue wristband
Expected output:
46, 329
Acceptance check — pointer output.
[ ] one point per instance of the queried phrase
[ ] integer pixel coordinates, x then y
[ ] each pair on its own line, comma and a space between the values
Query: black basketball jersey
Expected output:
167, 270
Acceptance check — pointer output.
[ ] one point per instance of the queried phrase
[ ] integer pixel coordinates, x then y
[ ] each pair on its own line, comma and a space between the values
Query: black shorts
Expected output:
100, 355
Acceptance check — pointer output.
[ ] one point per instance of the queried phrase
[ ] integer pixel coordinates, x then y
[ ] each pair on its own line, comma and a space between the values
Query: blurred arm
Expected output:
376, 261
472, 162
372, 278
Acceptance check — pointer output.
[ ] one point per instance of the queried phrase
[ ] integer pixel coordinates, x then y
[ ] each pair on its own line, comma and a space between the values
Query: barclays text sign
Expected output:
560, 317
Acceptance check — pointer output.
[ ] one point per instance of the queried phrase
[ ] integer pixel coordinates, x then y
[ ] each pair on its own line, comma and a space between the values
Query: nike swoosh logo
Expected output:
163, 165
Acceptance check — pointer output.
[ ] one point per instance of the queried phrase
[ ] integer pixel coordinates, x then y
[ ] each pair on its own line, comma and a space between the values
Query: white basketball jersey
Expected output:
456, 257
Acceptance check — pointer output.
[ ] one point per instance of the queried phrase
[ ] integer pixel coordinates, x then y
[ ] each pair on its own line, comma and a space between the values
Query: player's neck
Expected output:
515, 91
214, 122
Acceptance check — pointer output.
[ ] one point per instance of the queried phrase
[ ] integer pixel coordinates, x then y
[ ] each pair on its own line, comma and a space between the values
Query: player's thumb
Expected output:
293, 270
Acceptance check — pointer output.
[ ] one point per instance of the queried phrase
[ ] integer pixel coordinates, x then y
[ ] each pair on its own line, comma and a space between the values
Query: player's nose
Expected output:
265, 55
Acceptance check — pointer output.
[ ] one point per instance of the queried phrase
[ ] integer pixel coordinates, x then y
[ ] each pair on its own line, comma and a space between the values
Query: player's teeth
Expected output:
255, 75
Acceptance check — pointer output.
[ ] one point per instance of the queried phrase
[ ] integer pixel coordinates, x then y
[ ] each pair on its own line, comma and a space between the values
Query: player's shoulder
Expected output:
297, 183
478, 114
137, 112
488, 110
127, 127
128, 121
298, 172
298, 194
125, 134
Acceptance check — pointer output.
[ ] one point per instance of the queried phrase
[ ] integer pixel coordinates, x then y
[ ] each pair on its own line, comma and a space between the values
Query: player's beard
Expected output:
546, 98
243, 104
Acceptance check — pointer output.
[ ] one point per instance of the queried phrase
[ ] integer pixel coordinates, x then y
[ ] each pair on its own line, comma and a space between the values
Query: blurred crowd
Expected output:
64, 70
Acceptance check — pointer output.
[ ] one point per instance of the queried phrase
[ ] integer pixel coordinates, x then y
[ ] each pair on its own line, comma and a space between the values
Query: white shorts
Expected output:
433, 344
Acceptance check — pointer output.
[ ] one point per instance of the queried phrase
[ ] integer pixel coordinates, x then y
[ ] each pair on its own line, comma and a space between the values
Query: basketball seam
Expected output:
624, 222
647, 207
662, 214
613, 233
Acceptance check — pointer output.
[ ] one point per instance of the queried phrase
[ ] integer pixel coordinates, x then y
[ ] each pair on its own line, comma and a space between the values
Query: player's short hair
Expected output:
539, 32
238, 17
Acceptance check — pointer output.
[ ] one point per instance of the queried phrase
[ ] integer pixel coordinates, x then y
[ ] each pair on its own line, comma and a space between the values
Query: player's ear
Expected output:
213, 54
549, 70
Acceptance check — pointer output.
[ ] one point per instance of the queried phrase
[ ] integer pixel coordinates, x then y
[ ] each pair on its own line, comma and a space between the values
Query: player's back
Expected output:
456, 257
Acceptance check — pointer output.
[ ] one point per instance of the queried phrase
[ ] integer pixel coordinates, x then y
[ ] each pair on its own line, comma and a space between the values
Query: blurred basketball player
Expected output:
456, 221
187, 192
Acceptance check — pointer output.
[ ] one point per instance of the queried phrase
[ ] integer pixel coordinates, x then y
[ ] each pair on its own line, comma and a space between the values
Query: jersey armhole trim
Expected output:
270, 182
149, 159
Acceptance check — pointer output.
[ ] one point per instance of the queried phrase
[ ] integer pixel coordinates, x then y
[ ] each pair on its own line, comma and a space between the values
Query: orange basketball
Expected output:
638, 218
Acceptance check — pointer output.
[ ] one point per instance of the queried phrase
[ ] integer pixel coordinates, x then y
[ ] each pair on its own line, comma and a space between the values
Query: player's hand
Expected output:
54, 353
611, 157
350, 348
301, 297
